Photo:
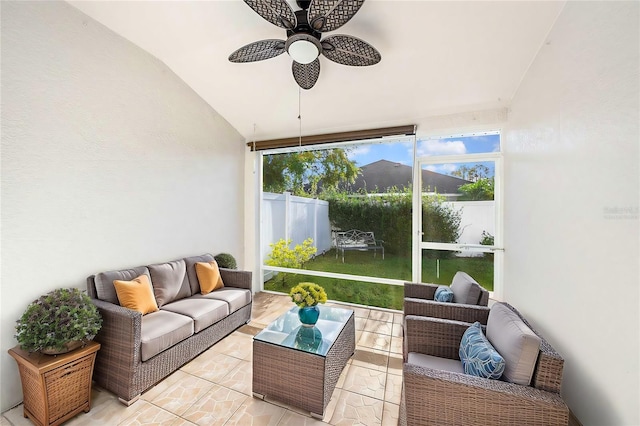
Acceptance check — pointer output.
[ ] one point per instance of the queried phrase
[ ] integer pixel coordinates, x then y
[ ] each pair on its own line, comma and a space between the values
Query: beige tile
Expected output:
105, 409
397, 330
380, 327
365, 381
360, 323
396, 345
381, 315
295, 419
360, 312
256, 412
216, 407
183, 394
398, 318
354, 409
237, 345
240, 379
390, 414
393, 387
211, 366
149, 414
370, 358
395, 364
15, 416
5, 422
164, 385
375, 341
182, 422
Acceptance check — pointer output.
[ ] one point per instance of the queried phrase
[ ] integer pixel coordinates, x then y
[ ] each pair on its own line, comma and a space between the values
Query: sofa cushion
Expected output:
136, 294
516, 342
204, 312
434, 362
190, 263
465, 289
479, 358
443, 294
208, 276
170, 281
161, 330
236, 297
104, 282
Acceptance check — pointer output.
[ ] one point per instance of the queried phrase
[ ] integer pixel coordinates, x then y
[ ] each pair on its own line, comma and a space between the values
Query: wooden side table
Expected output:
56, 388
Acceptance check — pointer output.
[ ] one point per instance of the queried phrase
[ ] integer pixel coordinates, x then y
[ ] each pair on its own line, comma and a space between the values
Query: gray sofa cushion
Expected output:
203, 312
104, 282
435, 363
190, 263
161, 330
169, 281
465, 289
517, 343
235, 297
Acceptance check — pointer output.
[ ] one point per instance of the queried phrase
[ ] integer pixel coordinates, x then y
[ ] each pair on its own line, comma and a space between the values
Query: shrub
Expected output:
225, 260
56, 318
482, 189
389, 217
487, 240
285, 257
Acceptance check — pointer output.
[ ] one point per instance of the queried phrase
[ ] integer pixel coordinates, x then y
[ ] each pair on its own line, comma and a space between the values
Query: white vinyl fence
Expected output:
476, 216
286, 216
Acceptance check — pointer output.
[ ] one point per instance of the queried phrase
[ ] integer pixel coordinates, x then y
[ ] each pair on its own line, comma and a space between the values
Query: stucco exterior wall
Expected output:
108, 161
571, 205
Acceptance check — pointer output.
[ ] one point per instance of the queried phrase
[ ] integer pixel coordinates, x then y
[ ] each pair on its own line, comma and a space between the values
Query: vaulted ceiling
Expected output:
438, 58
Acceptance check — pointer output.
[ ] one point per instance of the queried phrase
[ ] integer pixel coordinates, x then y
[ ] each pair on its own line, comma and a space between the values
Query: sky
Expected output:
402, 152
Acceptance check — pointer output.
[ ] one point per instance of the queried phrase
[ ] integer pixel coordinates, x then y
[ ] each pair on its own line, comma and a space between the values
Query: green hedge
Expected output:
389, 217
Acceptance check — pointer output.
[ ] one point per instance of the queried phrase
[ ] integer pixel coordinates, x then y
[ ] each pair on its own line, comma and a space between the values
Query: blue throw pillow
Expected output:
478, 356
443, 294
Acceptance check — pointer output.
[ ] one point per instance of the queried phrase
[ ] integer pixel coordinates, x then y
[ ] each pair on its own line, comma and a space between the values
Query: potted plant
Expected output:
58, 322
226, 260
307, 296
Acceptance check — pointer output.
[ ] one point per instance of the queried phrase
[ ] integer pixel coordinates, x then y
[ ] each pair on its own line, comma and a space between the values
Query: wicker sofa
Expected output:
137, 351
469, 303
436, 392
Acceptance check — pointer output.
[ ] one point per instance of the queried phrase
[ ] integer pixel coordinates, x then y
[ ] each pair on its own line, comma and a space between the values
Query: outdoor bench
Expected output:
357, 240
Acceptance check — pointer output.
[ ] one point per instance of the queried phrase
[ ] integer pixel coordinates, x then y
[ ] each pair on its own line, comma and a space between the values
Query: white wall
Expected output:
571, 205
108, 160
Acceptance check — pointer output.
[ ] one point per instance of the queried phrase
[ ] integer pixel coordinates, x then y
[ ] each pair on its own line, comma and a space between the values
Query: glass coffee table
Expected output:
300, 365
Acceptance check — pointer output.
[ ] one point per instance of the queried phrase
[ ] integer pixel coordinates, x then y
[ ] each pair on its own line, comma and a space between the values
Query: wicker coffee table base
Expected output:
299, 378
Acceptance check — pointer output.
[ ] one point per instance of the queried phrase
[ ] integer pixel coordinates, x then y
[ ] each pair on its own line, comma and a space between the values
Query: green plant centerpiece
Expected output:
307, 296
226, 260
58, 322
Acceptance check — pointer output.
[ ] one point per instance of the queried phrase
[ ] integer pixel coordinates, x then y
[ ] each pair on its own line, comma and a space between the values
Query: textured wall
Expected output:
571, 205
108, 161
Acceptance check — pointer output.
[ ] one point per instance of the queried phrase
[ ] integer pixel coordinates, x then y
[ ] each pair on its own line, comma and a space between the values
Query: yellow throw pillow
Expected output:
136, 294
208, 276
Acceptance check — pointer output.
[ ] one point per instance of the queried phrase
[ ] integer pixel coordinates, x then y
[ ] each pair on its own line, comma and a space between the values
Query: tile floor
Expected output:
215, 388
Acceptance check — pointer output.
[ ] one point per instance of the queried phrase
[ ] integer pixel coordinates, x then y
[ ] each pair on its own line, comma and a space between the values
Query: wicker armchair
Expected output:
438, 397
418, 300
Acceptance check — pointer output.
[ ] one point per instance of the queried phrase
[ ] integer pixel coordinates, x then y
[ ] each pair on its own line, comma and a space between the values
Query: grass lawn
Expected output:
396, 267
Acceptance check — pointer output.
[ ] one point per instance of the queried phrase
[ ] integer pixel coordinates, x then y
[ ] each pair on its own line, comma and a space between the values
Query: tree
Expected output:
303, 173
482, 189
473, 174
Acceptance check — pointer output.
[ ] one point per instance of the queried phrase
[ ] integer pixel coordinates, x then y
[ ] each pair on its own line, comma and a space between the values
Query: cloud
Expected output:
440, 147
358, 150
444, 169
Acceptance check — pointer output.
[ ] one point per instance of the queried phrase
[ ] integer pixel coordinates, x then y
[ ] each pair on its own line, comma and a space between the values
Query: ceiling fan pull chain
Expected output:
300, 116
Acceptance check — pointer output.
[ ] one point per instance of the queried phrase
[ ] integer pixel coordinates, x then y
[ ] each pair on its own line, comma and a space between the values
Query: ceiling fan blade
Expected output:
329, 15
348, 50
278, 12
258, 51
306, 75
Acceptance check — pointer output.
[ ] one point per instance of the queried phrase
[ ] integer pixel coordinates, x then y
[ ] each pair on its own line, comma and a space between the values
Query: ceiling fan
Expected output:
304, 41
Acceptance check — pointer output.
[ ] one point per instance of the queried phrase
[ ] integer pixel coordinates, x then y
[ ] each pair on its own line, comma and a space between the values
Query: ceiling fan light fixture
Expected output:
303, 48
